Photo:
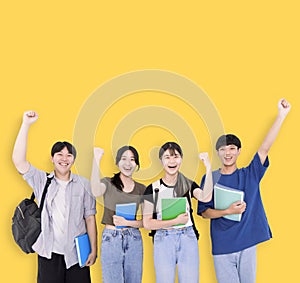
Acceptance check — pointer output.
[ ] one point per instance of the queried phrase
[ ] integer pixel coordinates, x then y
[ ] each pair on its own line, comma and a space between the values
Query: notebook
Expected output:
83, 248
126, 210
224, 197
172, 207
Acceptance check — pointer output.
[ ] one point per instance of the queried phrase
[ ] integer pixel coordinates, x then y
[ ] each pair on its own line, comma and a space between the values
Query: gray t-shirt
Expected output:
113, 196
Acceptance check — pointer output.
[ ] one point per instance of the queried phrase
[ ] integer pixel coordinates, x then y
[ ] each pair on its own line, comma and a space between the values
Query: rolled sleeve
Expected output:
90, 207
202, 206
89, 202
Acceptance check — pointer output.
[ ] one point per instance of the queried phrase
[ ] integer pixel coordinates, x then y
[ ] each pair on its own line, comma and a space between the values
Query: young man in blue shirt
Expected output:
234, 243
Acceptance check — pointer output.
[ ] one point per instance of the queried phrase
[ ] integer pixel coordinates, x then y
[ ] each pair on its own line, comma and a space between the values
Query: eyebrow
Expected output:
228, 146
125, 156
175, 154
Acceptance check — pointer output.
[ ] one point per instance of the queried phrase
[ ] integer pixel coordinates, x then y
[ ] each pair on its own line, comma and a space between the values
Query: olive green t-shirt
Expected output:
113, 196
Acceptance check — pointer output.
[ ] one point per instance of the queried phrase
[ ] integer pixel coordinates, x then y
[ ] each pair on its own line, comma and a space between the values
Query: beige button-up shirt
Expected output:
79, 202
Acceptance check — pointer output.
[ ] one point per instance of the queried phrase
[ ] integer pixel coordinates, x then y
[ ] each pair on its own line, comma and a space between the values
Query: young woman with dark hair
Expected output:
121, 248
175, 240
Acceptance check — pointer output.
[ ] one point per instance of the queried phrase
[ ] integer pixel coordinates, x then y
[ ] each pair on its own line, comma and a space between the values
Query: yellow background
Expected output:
243, 54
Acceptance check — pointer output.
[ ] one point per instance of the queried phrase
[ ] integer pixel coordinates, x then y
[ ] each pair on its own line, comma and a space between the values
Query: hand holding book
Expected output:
174, 208
124, 212
182, 218
83, 249
120, 221
237, 207
230, 200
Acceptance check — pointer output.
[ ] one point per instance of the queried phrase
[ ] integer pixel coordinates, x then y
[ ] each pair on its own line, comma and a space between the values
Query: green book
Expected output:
224, 197
172, 207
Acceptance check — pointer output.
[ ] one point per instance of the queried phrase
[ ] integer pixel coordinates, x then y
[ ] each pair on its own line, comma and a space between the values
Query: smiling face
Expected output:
228, 155
127, 164
171, 161
62, 161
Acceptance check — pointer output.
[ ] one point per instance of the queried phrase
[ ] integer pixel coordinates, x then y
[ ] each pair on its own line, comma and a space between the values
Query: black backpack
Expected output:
26, 222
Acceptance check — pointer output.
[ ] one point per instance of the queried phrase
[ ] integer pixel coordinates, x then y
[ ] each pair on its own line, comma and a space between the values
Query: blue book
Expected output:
83, 248
224, 197
126, 210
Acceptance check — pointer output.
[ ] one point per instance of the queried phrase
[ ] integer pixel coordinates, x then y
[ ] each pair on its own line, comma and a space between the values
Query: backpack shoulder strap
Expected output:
155, 188
48, 182
188, 196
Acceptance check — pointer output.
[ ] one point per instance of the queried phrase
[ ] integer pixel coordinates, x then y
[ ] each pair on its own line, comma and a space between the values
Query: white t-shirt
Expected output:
59, 218
168, 192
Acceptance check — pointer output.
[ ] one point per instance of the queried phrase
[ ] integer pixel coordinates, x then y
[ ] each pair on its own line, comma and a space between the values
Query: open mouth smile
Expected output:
63, 164
172, 167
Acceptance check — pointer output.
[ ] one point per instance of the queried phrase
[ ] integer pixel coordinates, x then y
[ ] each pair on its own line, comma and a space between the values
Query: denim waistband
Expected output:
175, 231
127, 231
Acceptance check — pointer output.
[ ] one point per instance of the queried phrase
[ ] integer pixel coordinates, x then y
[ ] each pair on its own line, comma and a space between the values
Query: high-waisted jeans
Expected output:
122, 256
176, 247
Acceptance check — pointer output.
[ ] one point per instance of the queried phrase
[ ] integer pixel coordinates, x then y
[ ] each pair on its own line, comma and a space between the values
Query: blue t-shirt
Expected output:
231, 236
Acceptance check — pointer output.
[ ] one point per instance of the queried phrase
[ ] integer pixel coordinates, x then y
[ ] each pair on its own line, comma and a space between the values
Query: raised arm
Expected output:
20, 147
205, 195
283, 109
98, 188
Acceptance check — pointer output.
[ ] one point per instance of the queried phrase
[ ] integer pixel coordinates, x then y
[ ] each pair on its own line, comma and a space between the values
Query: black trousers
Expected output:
54, 271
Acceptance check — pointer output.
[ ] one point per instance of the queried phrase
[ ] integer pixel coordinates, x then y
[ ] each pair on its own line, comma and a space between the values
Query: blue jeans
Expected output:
176, 247
239, 267
122, 256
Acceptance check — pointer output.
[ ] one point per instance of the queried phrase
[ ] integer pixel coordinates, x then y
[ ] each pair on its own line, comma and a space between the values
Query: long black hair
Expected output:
116, 180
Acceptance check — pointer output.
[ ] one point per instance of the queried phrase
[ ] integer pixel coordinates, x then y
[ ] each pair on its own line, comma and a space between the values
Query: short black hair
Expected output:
60, 145
228, 140
171, 146
132, 149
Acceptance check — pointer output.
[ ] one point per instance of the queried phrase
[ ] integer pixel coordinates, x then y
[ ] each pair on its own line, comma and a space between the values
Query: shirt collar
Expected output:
73, 177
